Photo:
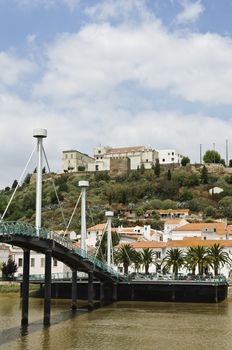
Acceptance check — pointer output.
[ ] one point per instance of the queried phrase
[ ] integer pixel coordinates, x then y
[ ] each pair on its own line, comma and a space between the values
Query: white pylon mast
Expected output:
83, 185
109, 215
39, 134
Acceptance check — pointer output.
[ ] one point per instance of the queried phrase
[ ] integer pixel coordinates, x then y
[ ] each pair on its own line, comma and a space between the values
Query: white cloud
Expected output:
129, 10
101, 57
191, 11
13, 69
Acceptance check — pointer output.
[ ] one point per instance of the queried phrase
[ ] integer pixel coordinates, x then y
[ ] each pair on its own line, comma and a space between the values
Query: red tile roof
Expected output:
219, 226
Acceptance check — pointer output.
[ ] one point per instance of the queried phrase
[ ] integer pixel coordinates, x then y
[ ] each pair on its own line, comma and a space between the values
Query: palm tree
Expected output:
125, 256
147, 256
200, 258
137, 260
175, 258
191, 260
217, 257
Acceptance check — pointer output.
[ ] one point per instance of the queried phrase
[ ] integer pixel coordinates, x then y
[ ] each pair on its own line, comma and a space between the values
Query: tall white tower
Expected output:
83, 185
109, 215
39, 134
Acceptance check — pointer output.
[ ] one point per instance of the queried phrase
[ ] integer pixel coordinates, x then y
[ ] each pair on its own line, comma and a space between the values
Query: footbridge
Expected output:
28, 237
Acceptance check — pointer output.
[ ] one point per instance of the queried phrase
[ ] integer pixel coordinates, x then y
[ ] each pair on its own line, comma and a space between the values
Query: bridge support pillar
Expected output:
25, 287
47, 287
74, 290
102, 294
90, 290
115, 292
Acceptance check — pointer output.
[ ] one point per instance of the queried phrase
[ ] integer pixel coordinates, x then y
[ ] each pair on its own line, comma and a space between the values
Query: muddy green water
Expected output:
121, 326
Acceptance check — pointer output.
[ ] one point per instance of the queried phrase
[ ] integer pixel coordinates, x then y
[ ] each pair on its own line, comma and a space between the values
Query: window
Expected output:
42, 262
146, 160
168, 154
32, 262
97, 157
173, 159
71, 155
158, 255
172, 153
55, 262
20, 262
163, 160
204, 238
99, 151
66, 156
96, 167
101, 157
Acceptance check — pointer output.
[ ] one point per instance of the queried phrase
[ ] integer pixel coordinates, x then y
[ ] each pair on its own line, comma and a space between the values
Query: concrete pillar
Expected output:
83, 185
47, 287
39, 134
102, 293
216, 293
109, 215
90, 290
74, 290
173, 293
115, 292
25, 287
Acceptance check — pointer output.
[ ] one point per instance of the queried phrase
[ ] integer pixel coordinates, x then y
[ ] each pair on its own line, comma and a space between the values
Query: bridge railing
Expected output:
7, 228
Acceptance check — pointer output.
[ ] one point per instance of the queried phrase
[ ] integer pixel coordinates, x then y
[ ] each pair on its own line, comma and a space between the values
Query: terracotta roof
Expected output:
219, 226
125, 149
98, 227
195, 241
144, 244
166, 211
173, 221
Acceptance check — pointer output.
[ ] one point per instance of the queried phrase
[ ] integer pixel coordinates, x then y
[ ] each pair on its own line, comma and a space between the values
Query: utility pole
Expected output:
227, 160
39, 134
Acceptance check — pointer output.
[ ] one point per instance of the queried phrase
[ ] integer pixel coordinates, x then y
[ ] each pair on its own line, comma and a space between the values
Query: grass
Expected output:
14, 287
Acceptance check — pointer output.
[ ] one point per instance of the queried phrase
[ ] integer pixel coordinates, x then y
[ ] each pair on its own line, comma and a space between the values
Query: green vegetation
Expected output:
211, 156
8, 269
161, 187
199, 256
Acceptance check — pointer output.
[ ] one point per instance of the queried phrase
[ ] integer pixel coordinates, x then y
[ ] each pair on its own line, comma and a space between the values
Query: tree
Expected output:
125, 255
185, 161
200, 257
175, 258
217, 257
142, 169
204, 175
27, 179
44, 170
157, 168
191, 260
211, 156
137, 260
230, 163
14, 185
9, 268
169, 175
147, 256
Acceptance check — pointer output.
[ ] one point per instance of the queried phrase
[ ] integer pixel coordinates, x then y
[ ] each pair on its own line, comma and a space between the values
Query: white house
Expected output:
73, 159
169, 156
212, 230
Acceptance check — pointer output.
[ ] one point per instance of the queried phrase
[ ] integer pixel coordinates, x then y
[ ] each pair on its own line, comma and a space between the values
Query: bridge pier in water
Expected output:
90, 290
74, 290
47, 287
25, 287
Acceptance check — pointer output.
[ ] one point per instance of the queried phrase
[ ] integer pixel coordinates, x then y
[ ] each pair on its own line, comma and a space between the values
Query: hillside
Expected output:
179, 187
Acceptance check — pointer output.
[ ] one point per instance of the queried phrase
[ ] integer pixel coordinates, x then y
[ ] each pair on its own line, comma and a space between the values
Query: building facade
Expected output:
72, 161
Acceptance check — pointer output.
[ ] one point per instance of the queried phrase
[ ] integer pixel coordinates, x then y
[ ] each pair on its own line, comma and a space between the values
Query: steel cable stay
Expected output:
18, 184
53, 183
74, 210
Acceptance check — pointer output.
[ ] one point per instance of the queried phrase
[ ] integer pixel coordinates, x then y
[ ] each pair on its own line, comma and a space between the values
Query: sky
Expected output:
156, 73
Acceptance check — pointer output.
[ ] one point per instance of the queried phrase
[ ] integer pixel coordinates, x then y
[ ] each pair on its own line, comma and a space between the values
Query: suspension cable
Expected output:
18, 184
54, 186
99, 246
73, 213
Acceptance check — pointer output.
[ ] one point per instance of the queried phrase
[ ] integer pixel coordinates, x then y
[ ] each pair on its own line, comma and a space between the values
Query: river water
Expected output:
121, 326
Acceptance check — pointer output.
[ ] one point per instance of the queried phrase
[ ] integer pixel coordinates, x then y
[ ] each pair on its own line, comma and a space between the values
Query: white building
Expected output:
137, 155
72, 160
169, 156
205, 231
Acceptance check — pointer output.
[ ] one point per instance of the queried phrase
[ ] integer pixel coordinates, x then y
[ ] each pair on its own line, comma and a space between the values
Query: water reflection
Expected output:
123, 325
